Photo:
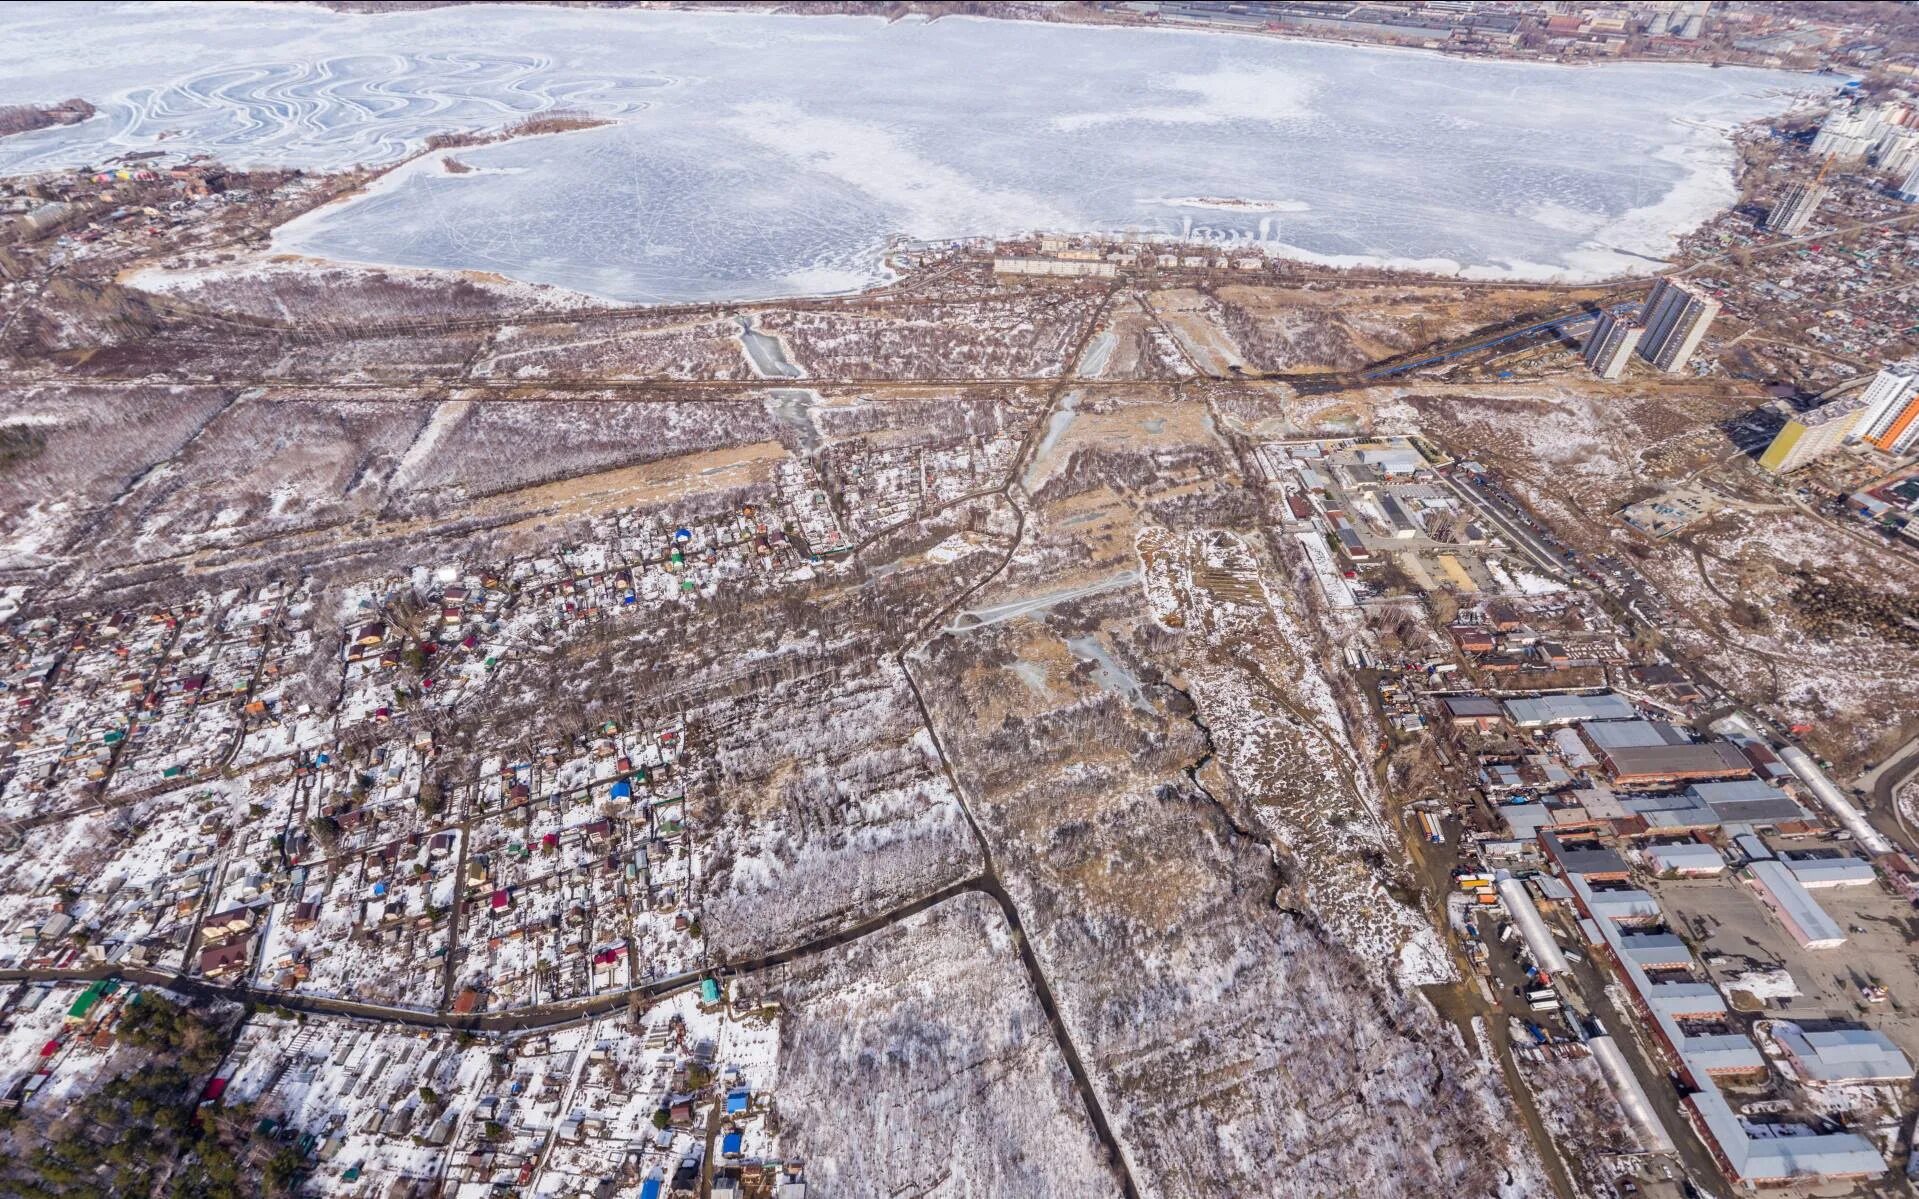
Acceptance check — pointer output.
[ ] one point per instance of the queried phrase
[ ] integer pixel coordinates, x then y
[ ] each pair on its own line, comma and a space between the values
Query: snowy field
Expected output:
757, 155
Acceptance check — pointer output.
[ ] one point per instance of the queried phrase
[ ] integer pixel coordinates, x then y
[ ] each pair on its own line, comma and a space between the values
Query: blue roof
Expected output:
650, 1189
731, 1143
736, 1101
622, 790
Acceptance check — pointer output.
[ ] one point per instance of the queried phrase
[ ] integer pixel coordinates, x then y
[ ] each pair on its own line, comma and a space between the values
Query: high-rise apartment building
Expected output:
1791, 212
1675, 316
1610, 344
1845, 135
1811, 434
1889, 409
1909, 190
1897, 152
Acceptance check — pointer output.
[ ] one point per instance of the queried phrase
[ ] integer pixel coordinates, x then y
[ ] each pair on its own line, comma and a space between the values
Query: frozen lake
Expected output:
759, 155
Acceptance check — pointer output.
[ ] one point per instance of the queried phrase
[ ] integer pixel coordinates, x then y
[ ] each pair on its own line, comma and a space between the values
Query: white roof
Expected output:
1685, 999
1759, 1158
1687, 855
1625, 905
1842, 870
1801, 913
1712, 1052
1565, 709
1844, 1054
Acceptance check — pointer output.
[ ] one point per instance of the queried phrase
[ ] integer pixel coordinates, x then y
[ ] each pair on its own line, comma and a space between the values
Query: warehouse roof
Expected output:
1623, 734
1583, 857
1747, 801
1569, 709
1687, 857
1770, 1158
1685, 1000
1677, 761
1836, 870
1843, 1054
1630, 904
1651, 950
1721, 1053
1802, 916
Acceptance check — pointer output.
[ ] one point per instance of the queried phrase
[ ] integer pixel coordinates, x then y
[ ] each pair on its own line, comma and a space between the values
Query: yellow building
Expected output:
1811, 434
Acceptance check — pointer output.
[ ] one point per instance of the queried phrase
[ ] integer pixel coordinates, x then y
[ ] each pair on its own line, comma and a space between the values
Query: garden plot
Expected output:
144, 901
375, 930
622, 347
652, 1084
371, 1106
992, 337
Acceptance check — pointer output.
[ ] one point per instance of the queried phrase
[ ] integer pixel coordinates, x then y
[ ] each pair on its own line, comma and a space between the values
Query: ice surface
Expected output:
760, 155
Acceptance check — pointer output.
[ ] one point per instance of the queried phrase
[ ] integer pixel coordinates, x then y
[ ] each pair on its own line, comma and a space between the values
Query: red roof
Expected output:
215, 1088
501, 898
50, 1048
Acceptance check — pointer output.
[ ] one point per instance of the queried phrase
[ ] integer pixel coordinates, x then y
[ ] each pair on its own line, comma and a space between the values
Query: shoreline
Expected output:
1590, 248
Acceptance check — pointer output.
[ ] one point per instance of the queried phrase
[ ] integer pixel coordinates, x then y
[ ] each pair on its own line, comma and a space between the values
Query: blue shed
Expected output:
736, 1101
732, 1144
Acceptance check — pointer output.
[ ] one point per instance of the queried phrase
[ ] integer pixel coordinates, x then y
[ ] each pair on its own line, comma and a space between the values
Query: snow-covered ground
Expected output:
730, 175
918, 1062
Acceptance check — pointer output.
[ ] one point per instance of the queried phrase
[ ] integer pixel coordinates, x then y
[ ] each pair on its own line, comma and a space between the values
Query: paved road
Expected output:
518, 1019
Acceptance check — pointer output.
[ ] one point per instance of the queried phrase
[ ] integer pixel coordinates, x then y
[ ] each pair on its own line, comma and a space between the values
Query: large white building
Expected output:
1611, 343
1890, 403
1880, 132
1897, 152
1790, 213
1909, 190
1845, 135
1675, 316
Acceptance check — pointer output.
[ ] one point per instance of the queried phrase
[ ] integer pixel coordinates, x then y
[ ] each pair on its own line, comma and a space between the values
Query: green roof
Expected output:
85, 1002
709, 991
